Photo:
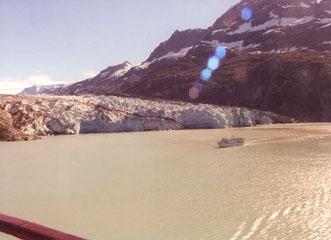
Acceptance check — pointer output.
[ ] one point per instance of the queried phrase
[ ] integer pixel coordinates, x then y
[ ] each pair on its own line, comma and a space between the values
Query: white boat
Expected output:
231, 142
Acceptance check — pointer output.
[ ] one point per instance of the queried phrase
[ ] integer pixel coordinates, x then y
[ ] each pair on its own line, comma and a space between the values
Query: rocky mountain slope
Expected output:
25, 117
278, 60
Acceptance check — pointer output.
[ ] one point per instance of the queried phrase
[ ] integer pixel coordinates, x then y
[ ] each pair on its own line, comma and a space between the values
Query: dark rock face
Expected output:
178, 41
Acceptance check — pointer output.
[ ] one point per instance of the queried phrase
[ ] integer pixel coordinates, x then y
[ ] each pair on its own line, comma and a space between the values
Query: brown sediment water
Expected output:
174, 184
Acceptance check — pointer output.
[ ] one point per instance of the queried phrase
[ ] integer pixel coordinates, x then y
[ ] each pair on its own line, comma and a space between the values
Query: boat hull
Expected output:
231, 142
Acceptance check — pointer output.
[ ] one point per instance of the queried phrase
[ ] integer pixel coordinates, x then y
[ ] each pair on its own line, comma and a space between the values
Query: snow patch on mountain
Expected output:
325, 20
123, 71
181, 53
275, 30
143, 65
291, 49
216, 43
238, 45
118, 73
291, 6
275, 21
218, 30
287, 49
304, 5
324, 26
170, 55
104, 73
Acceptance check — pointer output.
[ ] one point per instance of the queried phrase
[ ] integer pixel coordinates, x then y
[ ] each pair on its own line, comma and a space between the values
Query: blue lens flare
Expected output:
197, 85
246, 13
195, 90
220, 52
213, 63
206, 74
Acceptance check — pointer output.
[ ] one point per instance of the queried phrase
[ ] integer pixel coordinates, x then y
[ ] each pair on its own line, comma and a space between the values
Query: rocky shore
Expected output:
29, 117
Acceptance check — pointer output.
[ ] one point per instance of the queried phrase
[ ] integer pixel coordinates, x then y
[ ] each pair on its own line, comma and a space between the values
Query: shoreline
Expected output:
291, 132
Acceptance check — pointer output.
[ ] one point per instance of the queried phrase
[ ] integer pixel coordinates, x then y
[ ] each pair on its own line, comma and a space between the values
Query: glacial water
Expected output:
174, 184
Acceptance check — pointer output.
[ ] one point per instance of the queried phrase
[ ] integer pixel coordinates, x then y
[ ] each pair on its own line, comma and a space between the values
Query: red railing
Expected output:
26, 230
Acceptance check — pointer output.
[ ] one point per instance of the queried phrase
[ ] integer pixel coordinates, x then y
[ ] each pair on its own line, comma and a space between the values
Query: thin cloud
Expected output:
14, 86
40, 79
9, 86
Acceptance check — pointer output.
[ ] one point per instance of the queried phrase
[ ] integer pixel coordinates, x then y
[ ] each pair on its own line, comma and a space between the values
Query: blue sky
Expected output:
49, 41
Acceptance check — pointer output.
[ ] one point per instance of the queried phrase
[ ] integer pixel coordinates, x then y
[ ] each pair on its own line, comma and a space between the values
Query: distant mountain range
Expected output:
278, 59
42, 89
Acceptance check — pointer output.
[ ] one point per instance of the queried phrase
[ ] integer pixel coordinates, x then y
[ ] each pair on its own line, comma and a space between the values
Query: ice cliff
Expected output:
47, 115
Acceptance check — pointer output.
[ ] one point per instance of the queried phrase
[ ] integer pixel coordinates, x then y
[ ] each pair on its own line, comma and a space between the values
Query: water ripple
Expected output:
254, 228
239, 231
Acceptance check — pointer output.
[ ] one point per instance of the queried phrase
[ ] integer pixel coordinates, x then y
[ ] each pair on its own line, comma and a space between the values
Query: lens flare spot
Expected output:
194, 93
220, 52
206, 74
197, 85
195, 90
213, 63
246, 13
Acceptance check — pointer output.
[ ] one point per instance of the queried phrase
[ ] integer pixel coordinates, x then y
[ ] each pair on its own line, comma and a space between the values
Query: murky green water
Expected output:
174, 185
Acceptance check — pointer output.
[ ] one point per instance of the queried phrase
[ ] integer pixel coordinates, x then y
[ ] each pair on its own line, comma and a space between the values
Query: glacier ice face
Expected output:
47, 115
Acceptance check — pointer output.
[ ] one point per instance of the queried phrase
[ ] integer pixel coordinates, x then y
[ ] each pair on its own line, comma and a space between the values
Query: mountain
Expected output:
178, 44
42, 89
278, 59
275, 26
103, 80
